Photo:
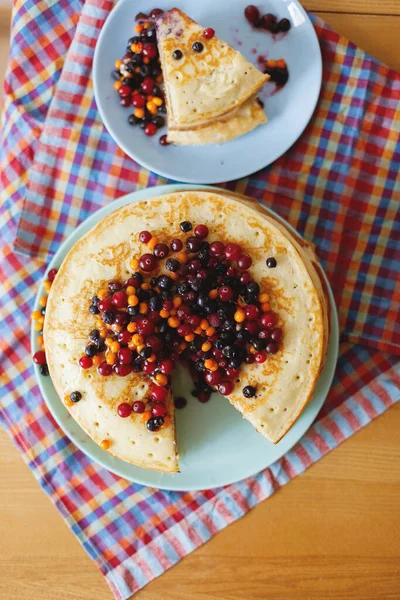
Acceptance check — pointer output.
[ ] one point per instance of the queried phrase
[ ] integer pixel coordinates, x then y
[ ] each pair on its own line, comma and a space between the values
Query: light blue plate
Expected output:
217, 446
288, 111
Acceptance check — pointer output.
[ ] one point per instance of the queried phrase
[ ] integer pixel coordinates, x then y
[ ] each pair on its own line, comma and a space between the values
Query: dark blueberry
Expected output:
191, 296
183, 288
164, 282
172, 265
156, 72
75, 396
130, 81
185, 226
132, 311
44, 370
259, 344
145, 70
166, 294
211, 306
198, 284
221, 268
153, 281
95, 300
163, 326
180, 402
101, 347
228, 325
271, 262
150, 35
152, 424
116, 74
94, 335
135, 61
235, 363
249, 391
155, 303
283, 25
138, 276
197, 46
93, 309
203, 300
251, 298
230, 351
280, 76
158, 121
162, 109
114, 286
43, 311
253, 288
132, 120
146, 352
193, 244
222, 313
199, 365
134, 40
203, 256
242, 336
177, 54
219, 344
91, 350
108, 317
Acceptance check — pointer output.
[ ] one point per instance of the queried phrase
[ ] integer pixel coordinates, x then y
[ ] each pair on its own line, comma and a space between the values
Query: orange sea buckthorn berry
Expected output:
115, 346
145, 286
213, 294
133, 300
147, 24
189, 337
47, 285
151, 358
241, 302
263, 298
252, 350
158, 101
239, 316
134, 264
198, 330
159, 79
40, 340
146, 60
210, 331
271, 63
206, 346
111, 358
266, 307
38, 326
177, 301
108, 341
97, 359
204, 324
131, 327
137, 339
182, 346
117, 85
130, 290
182, 257
152, 108
143, 308
211, 364
68, 401
140, 348
43, 301
105, 444
102, 293
138, 28
172, 312
103, 331
139, 113
164, 314
36, 315
280, 63
161, 379
146, 415
116, 328
167, 421
154, 240
99, 323
117, 64
173, 322
137, 70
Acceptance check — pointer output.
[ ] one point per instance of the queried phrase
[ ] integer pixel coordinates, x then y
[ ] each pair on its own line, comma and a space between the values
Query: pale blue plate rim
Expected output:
170, 481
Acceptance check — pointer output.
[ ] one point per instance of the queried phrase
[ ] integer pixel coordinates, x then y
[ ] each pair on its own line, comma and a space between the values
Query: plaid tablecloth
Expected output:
338, 185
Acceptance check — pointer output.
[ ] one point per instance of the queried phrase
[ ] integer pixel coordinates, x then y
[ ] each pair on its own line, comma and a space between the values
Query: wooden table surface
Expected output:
331, 534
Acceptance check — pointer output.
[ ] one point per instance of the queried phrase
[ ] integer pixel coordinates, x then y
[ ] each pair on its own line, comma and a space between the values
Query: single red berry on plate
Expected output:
124, 356
166, 366
51, 274
209, 33
147, 85
138, 406
251, 13
120, 299
225, 293
125, 90
277, 334
252, 312
149, 368
232, 373
105, 369
155, 12
147, 262
138, 101
105, 304
124, 337
176, 245
124, 410
245, 278
233, 251
161, 250
85, 362
213, 377
145, 327
260, 357
201, 231
158, 393
244, 262
125, 101
145, 236
163, 140
225, 387
150, 50
122, 370
268, 320
158, 410
150, 129
217, 248
39, 357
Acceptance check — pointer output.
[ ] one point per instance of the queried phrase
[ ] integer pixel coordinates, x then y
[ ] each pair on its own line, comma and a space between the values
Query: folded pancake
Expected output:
248, 116
284, 382
201, 86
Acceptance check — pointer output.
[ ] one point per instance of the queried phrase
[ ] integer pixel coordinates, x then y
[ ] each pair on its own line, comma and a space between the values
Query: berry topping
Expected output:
155, 423
284, 25
164, 141
209, 33
158, 393
122, 370
158, 410
217, 248
155, 13
124, 410
39, 357
147, 262
225, 387
201, 231
176, 245
150, 129
120, 299
51, 274
249, 391
197, 47
244, 262
145, 236
177, 54
252, 13
85, 362
75, 396
271, 262
161, 250
233, 251
139, 406
125, 356
105, 369
185, 226
44, 370
225, 293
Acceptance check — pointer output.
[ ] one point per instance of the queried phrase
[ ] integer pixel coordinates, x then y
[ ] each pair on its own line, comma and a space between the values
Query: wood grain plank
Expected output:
376, 7
377, 35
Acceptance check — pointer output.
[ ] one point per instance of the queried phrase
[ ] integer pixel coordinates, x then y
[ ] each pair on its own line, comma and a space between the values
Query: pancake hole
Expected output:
310, 355
133, 442
150, 455
285, 409
169, 458
297, 376
99, 406
286, 362
310, 319
257, 233
238, 380
262, 424
271, 409
156, 440
295, 288
307, 362
96, 424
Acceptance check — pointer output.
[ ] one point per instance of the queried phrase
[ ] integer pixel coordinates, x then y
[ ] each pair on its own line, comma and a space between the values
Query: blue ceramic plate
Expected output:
216, 445
289, 110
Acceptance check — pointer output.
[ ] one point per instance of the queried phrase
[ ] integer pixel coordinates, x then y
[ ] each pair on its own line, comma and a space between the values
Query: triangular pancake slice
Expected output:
201, 86
245, 119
